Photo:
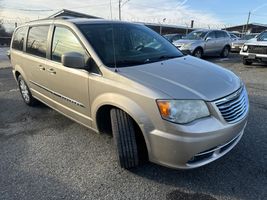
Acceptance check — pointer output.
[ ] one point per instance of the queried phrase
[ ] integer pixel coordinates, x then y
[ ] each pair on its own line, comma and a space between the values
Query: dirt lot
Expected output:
44, 155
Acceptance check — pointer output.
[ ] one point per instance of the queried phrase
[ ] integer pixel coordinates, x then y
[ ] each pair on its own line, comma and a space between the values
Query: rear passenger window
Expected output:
221, 34
65, 41
37, 41
211, 35
19, 38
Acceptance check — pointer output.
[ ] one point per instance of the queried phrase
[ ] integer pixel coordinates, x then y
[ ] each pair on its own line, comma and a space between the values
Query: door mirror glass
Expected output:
73, 60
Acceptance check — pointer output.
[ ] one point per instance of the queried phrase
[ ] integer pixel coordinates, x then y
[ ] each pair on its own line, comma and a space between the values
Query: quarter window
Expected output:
65, 41
19, 38
37, 41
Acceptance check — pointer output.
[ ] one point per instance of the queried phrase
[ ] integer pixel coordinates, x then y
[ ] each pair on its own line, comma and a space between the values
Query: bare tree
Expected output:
3, 32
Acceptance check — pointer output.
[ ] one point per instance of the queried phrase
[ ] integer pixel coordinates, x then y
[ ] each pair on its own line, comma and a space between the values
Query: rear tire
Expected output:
124, 139
25, 92
225, 52
247, 62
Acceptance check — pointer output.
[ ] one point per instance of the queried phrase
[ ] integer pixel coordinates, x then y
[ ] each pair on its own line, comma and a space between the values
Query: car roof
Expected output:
74, 20
209, 30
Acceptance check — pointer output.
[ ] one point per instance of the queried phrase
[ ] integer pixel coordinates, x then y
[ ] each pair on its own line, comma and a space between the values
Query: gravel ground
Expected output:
44, 155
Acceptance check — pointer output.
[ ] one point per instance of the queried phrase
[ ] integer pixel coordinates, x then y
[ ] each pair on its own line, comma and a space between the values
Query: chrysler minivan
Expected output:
125, 79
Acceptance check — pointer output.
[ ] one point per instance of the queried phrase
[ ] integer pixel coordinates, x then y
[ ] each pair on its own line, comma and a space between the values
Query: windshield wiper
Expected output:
165, 57
130, 62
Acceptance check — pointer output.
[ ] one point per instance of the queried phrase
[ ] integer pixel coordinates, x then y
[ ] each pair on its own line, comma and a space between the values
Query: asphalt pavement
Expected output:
44, 155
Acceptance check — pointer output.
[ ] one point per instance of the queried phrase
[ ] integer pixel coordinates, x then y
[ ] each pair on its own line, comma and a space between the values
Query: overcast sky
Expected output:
213, 13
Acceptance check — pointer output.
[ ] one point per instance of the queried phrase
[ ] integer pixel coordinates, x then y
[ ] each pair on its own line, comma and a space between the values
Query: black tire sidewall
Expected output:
124, 139
247, 62
31, 99
223, 52
198, 50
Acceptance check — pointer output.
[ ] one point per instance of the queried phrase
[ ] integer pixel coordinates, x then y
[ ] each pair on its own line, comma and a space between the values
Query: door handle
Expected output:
52, 71
41, 67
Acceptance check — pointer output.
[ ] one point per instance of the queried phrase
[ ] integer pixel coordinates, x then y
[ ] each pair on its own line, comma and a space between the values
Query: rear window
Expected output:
37, 41
19, 38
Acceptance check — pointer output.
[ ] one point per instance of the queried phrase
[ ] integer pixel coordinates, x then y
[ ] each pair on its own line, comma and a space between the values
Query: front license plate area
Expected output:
251, 56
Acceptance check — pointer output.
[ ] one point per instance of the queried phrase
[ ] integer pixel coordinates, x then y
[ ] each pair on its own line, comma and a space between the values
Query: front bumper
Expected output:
186, 52
195, 145
254, 57
236, 48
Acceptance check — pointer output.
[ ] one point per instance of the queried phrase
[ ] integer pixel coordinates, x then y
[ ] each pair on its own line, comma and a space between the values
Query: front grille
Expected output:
257, 49
234, 107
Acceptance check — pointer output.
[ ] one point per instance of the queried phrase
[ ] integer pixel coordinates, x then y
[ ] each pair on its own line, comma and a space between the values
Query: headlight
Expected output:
182, 111
245, 48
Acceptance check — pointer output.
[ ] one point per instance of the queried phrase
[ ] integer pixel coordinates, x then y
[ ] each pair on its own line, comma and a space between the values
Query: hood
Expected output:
185, 78
183, 42
239, 41
256, 42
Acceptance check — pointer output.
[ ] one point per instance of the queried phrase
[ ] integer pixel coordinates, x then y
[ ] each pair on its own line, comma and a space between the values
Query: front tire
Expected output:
198, 53
25, 92
124, 139
247, 62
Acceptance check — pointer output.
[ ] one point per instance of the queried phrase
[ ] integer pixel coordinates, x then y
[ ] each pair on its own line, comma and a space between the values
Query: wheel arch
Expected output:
18, 71
199, 47
102, 105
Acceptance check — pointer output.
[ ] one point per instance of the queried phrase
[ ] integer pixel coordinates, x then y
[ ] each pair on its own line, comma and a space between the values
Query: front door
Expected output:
210, 44
69, 87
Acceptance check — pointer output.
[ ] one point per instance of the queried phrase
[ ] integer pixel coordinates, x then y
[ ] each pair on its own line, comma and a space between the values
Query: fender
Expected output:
127, 105
17, 68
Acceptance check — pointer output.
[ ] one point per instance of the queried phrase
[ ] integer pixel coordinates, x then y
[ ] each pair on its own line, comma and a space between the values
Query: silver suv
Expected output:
126, 80
205, 42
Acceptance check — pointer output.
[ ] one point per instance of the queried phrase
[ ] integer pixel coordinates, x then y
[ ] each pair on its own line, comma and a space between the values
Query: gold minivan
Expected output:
125, 79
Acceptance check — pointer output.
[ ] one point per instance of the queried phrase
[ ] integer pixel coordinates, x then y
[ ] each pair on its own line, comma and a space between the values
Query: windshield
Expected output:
262, 36
124, 45
196, 35
168, 37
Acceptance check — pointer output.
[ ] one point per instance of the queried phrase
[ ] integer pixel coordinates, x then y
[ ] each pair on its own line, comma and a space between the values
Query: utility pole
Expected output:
249, 14
120, 9
121, 5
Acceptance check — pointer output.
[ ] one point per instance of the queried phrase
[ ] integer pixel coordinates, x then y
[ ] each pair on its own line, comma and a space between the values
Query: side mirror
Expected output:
73, 60
208, 39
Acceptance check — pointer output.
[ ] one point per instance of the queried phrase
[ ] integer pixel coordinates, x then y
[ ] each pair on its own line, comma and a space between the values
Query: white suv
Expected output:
255, 50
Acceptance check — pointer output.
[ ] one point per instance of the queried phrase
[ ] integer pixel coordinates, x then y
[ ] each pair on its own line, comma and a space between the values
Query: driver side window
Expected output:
65, 41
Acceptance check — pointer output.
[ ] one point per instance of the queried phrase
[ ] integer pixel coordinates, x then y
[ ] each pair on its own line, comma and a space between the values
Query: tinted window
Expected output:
65, 41
37, 41
262, 36
221, 34
177, 37
19, 38
211, 35
196, 35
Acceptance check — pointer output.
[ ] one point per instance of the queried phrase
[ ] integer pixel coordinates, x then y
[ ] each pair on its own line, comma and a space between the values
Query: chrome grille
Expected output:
234, 107
257, 49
